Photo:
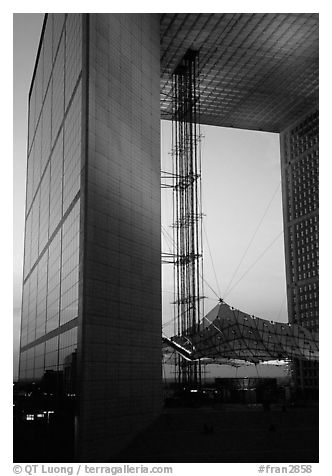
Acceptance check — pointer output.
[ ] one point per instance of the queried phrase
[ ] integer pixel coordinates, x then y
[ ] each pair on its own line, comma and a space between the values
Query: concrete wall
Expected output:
120, 358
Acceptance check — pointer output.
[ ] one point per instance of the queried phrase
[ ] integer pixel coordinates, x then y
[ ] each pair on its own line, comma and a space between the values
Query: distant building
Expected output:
299, 166
92, 267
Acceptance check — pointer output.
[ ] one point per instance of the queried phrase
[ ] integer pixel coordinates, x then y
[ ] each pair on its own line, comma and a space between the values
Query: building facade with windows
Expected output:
52, 232
299, 168
91, 291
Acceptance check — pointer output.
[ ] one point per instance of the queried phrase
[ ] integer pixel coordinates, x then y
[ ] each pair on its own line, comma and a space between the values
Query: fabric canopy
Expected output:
227, 334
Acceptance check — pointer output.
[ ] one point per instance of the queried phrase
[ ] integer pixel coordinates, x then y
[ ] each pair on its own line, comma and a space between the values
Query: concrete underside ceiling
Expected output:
257, 71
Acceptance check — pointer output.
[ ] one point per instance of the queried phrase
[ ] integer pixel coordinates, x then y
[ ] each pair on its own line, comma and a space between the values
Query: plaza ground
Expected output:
223, 433
228, 434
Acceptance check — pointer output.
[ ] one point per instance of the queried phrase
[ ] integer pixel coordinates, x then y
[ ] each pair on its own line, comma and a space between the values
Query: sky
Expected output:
242, 224
241, 196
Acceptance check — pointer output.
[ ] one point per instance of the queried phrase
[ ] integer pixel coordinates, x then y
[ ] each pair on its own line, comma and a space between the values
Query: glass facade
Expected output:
92, 253
300, 155
51, 255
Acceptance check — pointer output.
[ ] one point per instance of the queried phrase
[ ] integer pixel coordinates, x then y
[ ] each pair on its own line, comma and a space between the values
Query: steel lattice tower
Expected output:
187, 212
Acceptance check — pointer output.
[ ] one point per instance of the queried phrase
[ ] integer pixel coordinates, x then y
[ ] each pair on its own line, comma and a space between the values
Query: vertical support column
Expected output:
187, 209
120, 367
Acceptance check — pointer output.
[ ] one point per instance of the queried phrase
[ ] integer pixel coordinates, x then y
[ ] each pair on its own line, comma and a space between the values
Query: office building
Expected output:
92, 272
299, 167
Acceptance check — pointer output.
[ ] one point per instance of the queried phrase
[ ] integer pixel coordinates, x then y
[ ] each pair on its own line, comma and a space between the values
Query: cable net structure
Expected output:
228, 335
224, 335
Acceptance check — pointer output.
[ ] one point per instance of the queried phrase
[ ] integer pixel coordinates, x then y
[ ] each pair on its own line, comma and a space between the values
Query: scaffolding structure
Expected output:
187, 212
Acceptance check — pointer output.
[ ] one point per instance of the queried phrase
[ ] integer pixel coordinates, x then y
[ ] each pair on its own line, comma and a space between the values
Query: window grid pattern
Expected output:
46, 130
39, 361
72, 151
51, 260
36, 159
73, 54
56, 184
31, 331
35, 230
41, 297
32, 118
67, 360
58, 90
53, 283
44, 209
39, 85
301, 178
27, 246
308, 299
304, 249
30, 165
57, 355
47, 55
25, 314
50, 294
51, 353
30, 363
70, 266
49, 140
69, 179
43, 73
310, 373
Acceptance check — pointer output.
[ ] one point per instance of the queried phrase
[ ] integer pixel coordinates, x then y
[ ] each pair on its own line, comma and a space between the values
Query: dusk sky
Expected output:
240, 178
241, 196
